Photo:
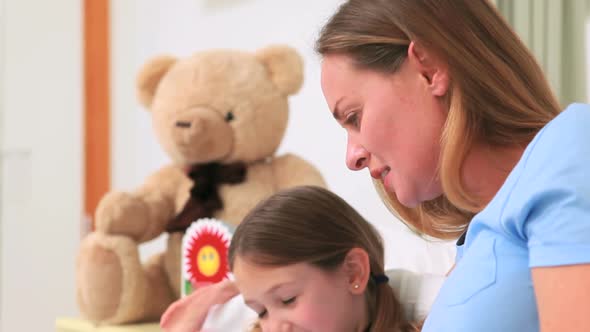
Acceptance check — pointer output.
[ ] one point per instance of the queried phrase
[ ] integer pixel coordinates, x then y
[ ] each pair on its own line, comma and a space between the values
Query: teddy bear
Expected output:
220, 116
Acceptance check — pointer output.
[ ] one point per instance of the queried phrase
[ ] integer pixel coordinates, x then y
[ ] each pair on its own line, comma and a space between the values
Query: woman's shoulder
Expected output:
550, 186
562, 144
573, 122
547, 204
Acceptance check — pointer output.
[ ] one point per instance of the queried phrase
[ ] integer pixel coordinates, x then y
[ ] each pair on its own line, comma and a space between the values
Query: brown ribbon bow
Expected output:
204, 197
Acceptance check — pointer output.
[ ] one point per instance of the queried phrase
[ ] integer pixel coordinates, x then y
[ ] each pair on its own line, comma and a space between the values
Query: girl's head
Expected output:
421, 84
305, 260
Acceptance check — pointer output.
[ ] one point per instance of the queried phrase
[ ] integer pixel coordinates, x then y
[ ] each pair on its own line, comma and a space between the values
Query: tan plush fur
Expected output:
113, 285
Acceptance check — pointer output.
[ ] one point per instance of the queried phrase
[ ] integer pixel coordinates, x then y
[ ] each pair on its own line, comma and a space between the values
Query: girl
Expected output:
305, 260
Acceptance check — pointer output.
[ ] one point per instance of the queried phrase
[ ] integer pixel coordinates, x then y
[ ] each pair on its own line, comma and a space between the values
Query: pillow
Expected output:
415, 291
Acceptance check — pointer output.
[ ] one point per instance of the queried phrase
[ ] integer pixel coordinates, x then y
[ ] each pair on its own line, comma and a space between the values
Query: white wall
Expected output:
41, 150
142, 29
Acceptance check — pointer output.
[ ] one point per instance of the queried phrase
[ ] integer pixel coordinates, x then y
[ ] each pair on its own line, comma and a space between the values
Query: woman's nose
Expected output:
357, 157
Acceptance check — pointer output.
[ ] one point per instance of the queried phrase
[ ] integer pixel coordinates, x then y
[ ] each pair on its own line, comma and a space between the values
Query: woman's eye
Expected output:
229, 116
289, 301
352, 119
262, 314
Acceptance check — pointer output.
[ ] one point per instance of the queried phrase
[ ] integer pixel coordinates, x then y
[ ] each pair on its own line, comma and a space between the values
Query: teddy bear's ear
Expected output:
149, 77
284, 65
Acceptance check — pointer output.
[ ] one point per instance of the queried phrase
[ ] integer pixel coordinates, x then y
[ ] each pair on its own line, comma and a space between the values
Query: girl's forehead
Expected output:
247, 266
255, 280
256, 276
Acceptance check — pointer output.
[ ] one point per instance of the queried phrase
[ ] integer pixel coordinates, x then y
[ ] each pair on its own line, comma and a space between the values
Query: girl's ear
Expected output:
357, 267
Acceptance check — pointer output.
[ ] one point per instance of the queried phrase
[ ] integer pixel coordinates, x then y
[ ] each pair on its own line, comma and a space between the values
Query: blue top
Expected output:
539, 217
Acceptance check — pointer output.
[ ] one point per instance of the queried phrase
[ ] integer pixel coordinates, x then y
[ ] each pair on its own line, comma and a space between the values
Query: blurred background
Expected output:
71, 127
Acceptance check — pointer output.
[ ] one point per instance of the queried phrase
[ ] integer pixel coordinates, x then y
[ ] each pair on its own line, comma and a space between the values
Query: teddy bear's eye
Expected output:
229, 116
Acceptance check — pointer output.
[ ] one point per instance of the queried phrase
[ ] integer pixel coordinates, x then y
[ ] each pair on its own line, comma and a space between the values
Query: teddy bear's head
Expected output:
221, 105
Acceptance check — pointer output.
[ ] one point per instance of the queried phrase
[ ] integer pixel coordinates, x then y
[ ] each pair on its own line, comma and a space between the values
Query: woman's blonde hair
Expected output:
312, 225
498, 95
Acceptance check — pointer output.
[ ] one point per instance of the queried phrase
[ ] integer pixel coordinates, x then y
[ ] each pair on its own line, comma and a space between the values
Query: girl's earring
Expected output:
356, 286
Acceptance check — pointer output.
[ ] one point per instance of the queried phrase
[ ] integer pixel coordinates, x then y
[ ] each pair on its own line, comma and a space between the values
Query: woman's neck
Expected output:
486, 168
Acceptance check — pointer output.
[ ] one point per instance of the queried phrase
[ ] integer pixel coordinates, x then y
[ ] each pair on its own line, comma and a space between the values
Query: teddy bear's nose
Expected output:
183, 124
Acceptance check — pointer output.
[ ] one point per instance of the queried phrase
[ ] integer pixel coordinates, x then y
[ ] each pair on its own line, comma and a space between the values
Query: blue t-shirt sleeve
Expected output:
549, 206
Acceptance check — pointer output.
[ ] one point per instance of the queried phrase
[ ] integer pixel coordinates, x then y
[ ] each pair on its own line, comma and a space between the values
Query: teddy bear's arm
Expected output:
144, 213
291, 170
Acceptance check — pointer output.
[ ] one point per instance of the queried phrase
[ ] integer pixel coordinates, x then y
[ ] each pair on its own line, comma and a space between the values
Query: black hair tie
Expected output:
379, 279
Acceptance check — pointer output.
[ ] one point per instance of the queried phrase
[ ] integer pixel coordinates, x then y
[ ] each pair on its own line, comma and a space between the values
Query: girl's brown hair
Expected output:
498, 95
312, 225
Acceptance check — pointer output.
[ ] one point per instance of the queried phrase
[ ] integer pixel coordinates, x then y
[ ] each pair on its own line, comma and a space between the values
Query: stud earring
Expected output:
356, 286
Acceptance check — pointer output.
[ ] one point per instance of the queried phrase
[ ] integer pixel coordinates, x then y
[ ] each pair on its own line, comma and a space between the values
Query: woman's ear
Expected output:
357, 267
434, 71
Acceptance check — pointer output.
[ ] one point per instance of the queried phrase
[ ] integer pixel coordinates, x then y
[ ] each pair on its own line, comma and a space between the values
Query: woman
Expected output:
452, 116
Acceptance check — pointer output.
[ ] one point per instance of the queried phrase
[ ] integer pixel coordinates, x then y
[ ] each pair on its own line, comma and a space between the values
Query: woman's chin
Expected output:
403, 197
408, 202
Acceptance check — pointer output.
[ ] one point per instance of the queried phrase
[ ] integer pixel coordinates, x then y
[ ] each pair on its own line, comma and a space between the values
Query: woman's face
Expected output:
298, 297
394, 121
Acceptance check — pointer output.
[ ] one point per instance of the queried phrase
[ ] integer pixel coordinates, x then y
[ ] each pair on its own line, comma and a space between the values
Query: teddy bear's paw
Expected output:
108, 273
122, 214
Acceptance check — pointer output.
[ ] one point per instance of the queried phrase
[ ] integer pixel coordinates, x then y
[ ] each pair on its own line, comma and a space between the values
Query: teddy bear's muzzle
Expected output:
200, 135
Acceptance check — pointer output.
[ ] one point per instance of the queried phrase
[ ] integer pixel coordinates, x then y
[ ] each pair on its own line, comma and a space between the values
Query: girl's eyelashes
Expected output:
262, 314
289, 301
